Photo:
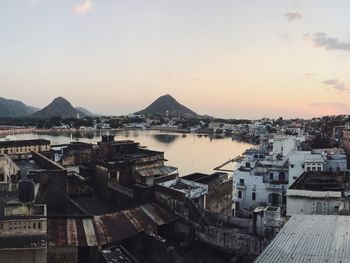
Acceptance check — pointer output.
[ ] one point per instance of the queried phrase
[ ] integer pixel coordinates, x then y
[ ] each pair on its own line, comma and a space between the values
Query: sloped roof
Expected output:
109, 228
310, 238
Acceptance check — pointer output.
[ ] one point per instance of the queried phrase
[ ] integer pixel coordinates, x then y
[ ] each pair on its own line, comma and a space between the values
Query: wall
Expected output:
219, 198
23, 256
308, 202
62, 254
239, 243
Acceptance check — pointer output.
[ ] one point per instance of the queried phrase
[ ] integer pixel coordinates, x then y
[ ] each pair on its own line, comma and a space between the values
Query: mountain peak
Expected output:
58, 107
167, 104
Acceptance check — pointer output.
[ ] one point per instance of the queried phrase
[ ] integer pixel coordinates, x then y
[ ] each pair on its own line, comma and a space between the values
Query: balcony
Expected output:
240, 186
277, 185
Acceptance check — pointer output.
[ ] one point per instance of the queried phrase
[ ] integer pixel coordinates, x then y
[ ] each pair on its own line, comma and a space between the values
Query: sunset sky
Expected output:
238, 59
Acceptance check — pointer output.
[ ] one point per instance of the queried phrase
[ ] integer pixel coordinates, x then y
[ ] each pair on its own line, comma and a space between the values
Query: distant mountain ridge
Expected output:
59, 107
14, 108
85, 111
167, 104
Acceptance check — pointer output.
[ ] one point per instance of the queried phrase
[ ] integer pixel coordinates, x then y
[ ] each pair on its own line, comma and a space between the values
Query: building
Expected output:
317, 193
219, 198
263, 175
23, 226
346, 137
310, 238
259, 180
9, 171
24, 146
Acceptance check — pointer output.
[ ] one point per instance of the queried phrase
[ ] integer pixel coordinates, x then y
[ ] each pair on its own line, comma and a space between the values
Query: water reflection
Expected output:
165, 138
189, 152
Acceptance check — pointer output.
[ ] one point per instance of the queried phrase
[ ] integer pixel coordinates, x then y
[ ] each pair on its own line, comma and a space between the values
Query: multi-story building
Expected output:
262, 179
24, 146
23, 226
317, 193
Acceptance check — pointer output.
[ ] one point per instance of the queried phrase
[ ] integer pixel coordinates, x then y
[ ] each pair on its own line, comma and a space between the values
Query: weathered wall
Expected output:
23, 256
62, 255
236, 242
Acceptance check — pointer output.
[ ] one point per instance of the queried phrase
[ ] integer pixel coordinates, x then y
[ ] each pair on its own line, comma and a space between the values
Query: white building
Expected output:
262, 179
317, 193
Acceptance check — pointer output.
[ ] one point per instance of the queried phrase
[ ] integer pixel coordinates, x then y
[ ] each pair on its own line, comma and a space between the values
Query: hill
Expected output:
167, 105
58, 107
86, 112
14, 108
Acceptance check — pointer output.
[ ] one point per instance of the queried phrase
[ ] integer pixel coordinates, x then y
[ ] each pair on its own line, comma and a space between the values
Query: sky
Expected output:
226, 58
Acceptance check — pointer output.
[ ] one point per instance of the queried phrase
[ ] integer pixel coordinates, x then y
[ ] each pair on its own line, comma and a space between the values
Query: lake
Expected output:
189, 152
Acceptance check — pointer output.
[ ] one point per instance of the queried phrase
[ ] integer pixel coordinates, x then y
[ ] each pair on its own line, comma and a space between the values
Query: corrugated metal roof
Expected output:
310, 238
162, 170
100, 230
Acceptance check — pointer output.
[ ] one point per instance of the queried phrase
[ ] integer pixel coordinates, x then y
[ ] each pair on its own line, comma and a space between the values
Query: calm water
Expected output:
189, 152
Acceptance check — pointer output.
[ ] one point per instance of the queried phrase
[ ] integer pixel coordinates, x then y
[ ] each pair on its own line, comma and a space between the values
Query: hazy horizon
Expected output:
230, 59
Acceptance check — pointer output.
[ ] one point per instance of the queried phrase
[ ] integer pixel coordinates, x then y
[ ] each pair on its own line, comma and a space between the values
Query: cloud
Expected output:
83, 7
329, 105
331, 82
293, 15
332, 43
309, 75
284, 36
336, 84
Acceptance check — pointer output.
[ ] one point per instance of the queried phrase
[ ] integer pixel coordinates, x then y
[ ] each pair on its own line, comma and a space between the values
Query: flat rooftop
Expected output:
310, 238
93, 205
321, 181
204, 178
27, 165
20, 143
189, 188
117, 254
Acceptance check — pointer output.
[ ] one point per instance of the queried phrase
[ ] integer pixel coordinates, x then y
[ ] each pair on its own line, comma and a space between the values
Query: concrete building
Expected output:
219, 198
23, 225
259, 180
24, 146
317, 193
262, 177
9, 171
346, 137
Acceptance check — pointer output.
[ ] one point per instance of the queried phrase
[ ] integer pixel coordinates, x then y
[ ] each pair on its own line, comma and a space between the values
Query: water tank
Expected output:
26, 191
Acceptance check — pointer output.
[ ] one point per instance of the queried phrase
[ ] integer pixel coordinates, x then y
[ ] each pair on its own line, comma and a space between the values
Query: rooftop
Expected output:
310, 238
25, 242
18, 143
92, 205
26, 165
117, 254
321, 181
204, 178
189, 188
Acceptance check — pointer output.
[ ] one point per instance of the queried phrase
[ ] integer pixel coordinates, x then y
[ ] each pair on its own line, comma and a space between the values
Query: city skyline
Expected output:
229, 59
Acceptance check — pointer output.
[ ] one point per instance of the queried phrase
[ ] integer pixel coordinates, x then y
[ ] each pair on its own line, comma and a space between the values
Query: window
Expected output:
313, 168
239, 194
303, 166
241, 181
281, 176
330, 169
308, 169
253, 196
271, 176
292, 166
318, 168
